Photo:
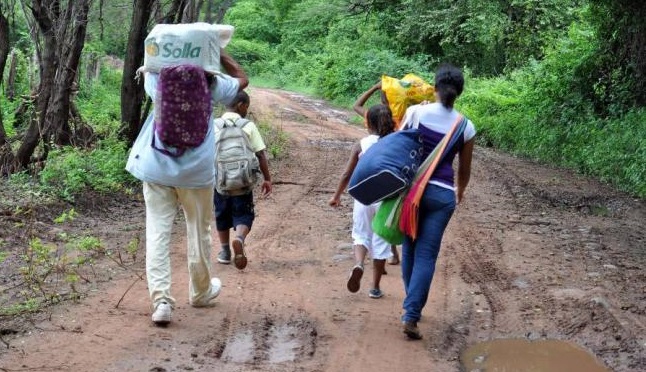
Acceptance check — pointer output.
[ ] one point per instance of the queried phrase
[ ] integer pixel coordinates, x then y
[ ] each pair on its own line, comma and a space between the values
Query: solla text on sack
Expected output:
187, 51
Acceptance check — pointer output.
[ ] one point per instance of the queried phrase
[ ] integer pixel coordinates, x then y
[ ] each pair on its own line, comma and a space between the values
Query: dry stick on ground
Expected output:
128, 290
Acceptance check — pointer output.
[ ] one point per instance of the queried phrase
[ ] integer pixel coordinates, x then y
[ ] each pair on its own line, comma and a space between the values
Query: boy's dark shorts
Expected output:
231, 211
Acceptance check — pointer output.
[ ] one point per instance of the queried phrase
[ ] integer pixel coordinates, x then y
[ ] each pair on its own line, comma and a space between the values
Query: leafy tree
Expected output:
487, 36
255, 21
132, 90
108, 21
300, 34
617, 73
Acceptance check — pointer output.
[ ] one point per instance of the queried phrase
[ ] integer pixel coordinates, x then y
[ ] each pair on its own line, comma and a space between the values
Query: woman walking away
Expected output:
441, 194
380, 123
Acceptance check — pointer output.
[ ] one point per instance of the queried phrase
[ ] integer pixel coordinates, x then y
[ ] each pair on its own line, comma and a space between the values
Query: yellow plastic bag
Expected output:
404, 92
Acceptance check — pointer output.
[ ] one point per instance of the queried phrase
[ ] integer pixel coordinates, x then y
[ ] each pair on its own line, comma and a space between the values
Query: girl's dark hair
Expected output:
379, 119
241, 97
210, 79
449, 84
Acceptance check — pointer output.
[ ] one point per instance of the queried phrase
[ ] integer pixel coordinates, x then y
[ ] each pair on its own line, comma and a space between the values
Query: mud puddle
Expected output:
529, 356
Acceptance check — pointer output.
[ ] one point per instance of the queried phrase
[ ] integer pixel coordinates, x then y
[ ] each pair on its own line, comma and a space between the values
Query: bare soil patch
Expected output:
534, 253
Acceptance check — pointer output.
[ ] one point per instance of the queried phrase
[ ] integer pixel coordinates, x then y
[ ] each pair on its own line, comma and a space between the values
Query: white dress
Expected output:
362, 216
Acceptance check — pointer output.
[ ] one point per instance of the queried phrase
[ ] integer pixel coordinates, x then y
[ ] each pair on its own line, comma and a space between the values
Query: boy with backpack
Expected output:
240, 156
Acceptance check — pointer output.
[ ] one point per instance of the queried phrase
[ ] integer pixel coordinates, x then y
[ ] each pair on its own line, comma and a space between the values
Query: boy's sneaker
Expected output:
216, 287
161, 315
354, 282
224, 257
239, 258
376, 293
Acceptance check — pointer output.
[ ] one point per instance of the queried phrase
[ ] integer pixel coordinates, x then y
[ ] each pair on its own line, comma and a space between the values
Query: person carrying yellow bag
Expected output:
404, 92
397, 94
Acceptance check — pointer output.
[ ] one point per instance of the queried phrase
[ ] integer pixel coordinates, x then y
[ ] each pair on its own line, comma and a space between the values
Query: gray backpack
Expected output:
236, 166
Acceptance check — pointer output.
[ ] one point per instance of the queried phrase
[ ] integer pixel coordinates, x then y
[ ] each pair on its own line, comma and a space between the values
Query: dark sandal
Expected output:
354, 282
239, 258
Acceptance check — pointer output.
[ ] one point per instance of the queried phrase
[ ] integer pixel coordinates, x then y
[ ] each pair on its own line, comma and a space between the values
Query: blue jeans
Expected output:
419, 256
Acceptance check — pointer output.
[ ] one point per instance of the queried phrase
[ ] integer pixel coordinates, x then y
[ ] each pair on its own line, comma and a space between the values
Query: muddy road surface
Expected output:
534, 253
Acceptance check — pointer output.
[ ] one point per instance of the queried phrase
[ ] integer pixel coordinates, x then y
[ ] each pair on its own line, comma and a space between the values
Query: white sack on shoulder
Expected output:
195, 43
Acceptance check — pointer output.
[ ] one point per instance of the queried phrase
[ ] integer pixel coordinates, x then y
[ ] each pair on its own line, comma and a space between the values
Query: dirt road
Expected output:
532, 253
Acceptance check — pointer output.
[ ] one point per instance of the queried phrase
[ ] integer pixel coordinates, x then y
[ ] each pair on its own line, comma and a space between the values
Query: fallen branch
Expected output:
128, 290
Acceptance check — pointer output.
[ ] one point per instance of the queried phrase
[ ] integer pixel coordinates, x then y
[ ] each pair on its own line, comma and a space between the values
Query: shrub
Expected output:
253, 55
70, 171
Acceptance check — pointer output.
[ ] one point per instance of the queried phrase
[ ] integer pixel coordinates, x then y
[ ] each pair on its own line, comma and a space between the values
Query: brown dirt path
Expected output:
534, 252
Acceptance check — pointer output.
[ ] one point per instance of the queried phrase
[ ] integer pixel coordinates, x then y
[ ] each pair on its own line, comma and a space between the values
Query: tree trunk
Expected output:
72, 47
132, 89
222, 9
63, 32
4, 43
101, 20
7, 161
174, 14
83, 133
10, 88
93, 67
208, 15
191, 11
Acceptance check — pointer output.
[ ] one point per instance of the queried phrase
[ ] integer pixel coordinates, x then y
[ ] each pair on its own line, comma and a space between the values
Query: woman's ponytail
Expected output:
449, 84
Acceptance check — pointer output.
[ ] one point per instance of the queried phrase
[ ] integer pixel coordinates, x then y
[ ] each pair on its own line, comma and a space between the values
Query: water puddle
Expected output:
240, 348
529, 356
283, 344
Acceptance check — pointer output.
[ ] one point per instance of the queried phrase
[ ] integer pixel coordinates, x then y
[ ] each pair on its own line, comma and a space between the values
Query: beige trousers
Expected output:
161, 208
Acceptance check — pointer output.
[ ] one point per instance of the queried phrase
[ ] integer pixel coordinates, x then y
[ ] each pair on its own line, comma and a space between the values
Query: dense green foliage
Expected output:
618, 69
541, 80
540, 113
563, 81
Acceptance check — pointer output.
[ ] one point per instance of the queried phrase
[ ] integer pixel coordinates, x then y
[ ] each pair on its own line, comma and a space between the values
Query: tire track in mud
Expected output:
266, 342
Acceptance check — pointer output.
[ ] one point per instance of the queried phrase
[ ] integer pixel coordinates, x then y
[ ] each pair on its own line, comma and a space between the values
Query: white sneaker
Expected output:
161, 316
216, 286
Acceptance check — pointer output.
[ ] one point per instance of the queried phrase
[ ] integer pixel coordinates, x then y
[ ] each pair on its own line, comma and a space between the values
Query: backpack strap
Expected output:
172, 152
219, 123
241, 122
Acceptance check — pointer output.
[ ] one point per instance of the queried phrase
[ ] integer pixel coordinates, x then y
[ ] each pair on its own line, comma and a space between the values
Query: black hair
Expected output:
241, 97
210, 79
449, 84
379, 119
